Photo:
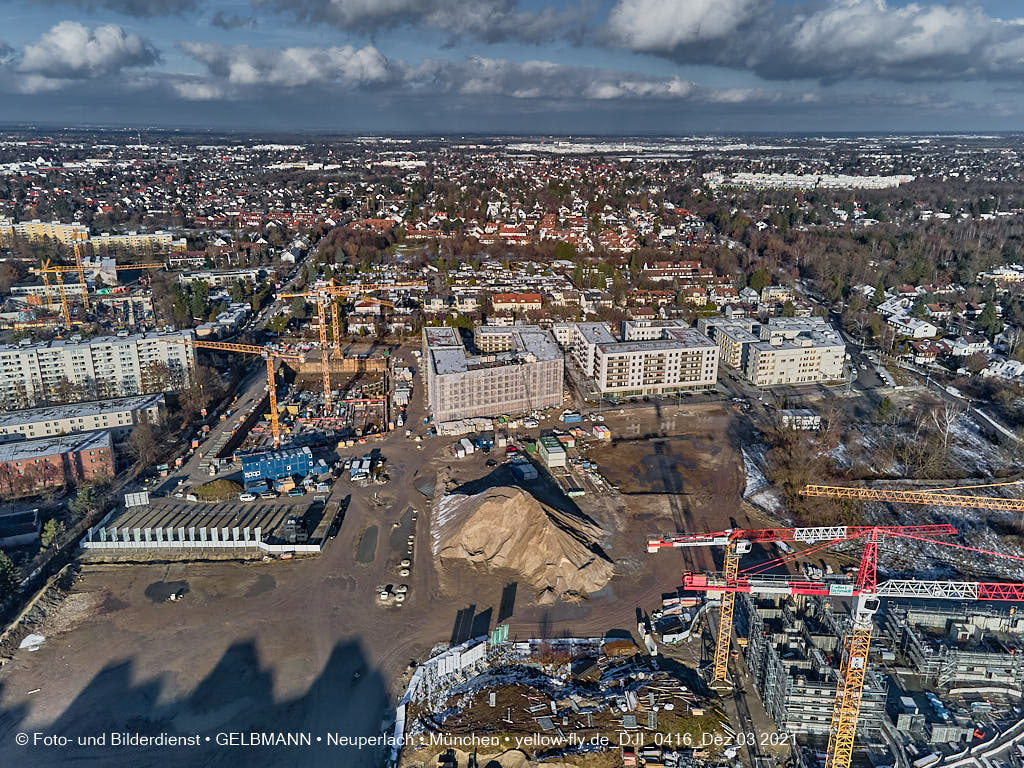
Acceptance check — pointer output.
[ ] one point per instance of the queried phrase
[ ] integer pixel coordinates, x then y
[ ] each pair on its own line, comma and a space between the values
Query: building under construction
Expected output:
959, 646
526, 375
792, 653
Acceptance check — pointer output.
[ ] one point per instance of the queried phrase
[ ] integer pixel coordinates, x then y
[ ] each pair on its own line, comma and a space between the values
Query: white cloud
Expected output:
479, 76
663, 25
830, 40
198, 91
242, 65
72, 51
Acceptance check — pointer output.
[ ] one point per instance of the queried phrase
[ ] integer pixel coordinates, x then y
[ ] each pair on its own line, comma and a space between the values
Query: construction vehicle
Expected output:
268, 355
865, 590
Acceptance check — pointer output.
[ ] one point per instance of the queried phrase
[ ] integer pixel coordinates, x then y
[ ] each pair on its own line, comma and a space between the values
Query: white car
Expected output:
247, 497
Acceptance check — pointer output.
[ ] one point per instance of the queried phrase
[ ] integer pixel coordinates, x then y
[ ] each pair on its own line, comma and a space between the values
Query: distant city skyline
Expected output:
515, 66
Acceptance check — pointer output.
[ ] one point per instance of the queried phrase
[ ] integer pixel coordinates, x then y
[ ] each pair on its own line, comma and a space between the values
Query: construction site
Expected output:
535, 546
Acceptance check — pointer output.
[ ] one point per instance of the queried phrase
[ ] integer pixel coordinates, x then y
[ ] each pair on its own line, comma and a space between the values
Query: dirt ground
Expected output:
304, 645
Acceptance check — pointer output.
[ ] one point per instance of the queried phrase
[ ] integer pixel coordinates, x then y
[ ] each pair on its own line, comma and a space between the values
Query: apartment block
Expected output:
581, 340
960, 646
776, 294
38, 230
734, 340
795, 351
119, 416
648, 330
654, 357
31, 466
98, 368
220, 278
136, 241
523, 373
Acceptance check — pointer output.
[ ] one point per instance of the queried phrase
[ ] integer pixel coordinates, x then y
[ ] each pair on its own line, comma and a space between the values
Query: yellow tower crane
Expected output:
46, 269
250, 349
326, 295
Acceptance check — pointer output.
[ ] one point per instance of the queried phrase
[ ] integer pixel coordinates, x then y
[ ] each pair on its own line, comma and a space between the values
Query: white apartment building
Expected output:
581, 340
524, 373
135, 241
805, 358
776, 294
655, 357
118, 416
220, 278
733, 341
102, 367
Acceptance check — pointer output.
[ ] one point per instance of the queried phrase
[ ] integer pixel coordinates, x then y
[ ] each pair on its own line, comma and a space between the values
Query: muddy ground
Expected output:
305, 645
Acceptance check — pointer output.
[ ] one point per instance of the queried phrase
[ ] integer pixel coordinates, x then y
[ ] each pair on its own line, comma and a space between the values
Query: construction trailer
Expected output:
258, 468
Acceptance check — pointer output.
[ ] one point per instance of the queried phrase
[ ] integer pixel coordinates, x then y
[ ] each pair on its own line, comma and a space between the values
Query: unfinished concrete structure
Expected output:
792, 653
959, 646
521, 372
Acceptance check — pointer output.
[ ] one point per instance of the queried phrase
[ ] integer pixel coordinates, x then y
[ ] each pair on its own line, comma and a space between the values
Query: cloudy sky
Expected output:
538, 66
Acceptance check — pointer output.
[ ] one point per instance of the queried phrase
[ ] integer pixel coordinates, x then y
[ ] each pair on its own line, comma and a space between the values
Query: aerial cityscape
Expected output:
512, 384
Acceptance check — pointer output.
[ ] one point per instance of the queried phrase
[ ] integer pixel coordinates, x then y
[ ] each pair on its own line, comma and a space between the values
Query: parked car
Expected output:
297, 491
247, 497
268, 495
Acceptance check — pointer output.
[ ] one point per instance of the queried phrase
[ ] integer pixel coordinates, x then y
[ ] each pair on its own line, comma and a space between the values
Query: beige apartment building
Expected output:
37, 230
806, 358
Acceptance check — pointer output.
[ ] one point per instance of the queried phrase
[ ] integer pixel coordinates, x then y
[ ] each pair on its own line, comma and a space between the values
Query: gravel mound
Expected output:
553, 551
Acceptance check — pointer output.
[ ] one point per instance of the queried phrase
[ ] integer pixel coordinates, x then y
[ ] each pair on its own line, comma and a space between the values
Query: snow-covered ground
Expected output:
758, 491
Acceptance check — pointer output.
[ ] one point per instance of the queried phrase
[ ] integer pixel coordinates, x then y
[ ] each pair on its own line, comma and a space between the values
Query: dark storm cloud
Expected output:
828, 41
230, 21
139, 8
484, 20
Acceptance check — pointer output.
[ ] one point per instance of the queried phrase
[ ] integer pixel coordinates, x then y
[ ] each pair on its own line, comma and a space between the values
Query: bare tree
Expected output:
143, 443
945, 418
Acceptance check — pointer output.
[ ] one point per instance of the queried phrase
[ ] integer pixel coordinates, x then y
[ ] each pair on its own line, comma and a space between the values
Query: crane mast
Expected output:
865, 591
328, 294
251, 349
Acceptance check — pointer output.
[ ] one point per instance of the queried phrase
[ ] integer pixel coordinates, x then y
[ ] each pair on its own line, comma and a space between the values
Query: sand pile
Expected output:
553, 551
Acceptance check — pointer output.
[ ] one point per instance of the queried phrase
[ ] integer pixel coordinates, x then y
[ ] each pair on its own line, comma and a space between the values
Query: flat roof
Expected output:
23, 450
449, 359
811, 341
58, 343
737, 332
442, 336
79, 410
526, 340
596, 333
689, 336
678, 340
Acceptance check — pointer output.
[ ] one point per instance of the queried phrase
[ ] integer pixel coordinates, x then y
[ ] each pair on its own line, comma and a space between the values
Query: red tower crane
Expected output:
865, 591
